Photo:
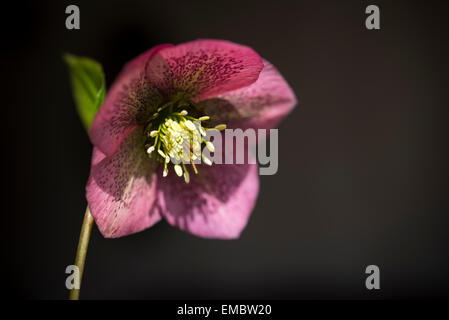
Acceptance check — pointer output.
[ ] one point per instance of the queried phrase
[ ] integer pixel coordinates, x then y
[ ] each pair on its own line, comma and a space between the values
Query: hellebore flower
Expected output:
143, 122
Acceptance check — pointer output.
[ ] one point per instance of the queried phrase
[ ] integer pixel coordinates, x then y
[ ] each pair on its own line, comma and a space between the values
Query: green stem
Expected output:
81, 252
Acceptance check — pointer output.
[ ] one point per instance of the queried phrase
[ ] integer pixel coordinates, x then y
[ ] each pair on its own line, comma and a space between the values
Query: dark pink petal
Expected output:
121, 190
204, 68
261, 105
215, 204
128, 103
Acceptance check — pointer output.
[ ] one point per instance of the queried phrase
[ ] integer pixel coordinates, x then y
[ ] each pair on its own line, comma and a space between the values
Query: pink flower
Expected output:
130, 187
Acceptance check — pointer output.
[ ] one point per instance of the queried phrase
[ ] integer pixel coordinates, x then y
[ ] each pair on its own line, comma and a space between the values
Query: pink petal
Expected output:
97, 156
121, 189
126, 105
215, 204
261, 105
204, 68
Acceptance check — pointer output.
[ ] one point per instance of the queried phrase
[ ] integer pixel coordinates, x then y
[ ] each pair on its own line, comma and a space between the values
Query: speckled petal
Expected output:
216, 203
204, 68
260, 105
128, 103
121, 189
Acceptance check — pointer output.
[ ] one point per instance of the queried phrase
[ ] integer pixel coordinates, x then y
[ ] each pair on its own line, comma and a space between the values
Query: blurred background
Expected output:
363, 164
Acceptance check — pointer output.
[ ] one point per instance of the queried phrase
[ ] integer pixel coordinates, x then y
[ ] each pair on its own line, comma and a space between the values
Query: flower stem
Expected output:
81, 252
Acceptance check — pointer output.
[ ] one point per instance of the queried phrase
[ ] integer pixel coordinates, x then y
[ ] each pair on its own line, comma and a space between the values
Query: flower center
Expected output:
178, 137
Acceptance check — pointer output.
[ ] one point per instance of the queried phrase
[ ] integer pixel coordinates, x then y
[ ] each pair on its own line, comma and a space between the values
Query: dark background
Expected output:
363, 173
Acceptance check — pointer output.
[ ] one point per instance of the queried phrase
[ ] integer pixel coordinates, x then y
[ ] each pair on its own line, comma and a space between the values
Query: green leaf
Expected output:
88, 86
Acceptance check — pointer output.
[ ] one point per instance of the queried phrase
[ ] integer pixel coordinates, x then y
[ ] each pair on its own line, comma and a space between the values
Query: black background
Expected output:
363, 173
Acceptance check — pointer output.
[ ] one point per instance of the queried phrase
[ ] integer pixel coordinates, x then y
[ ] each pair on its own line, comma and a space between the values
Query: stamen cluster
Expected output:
178, 137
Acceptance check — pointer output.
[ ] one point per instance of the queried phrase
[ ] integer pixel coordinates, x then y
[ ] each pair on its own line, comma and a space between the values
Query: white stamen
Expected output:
190, 125
186, 177
183, 113
206, 160
153, 133
204, 118
220, 127
161, 153
150, 149
178, 170
210, 146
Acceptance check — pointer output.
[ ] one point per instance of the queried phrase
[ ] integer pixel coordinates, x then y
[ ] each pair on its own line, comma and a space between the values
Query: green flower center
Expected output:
173, 135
